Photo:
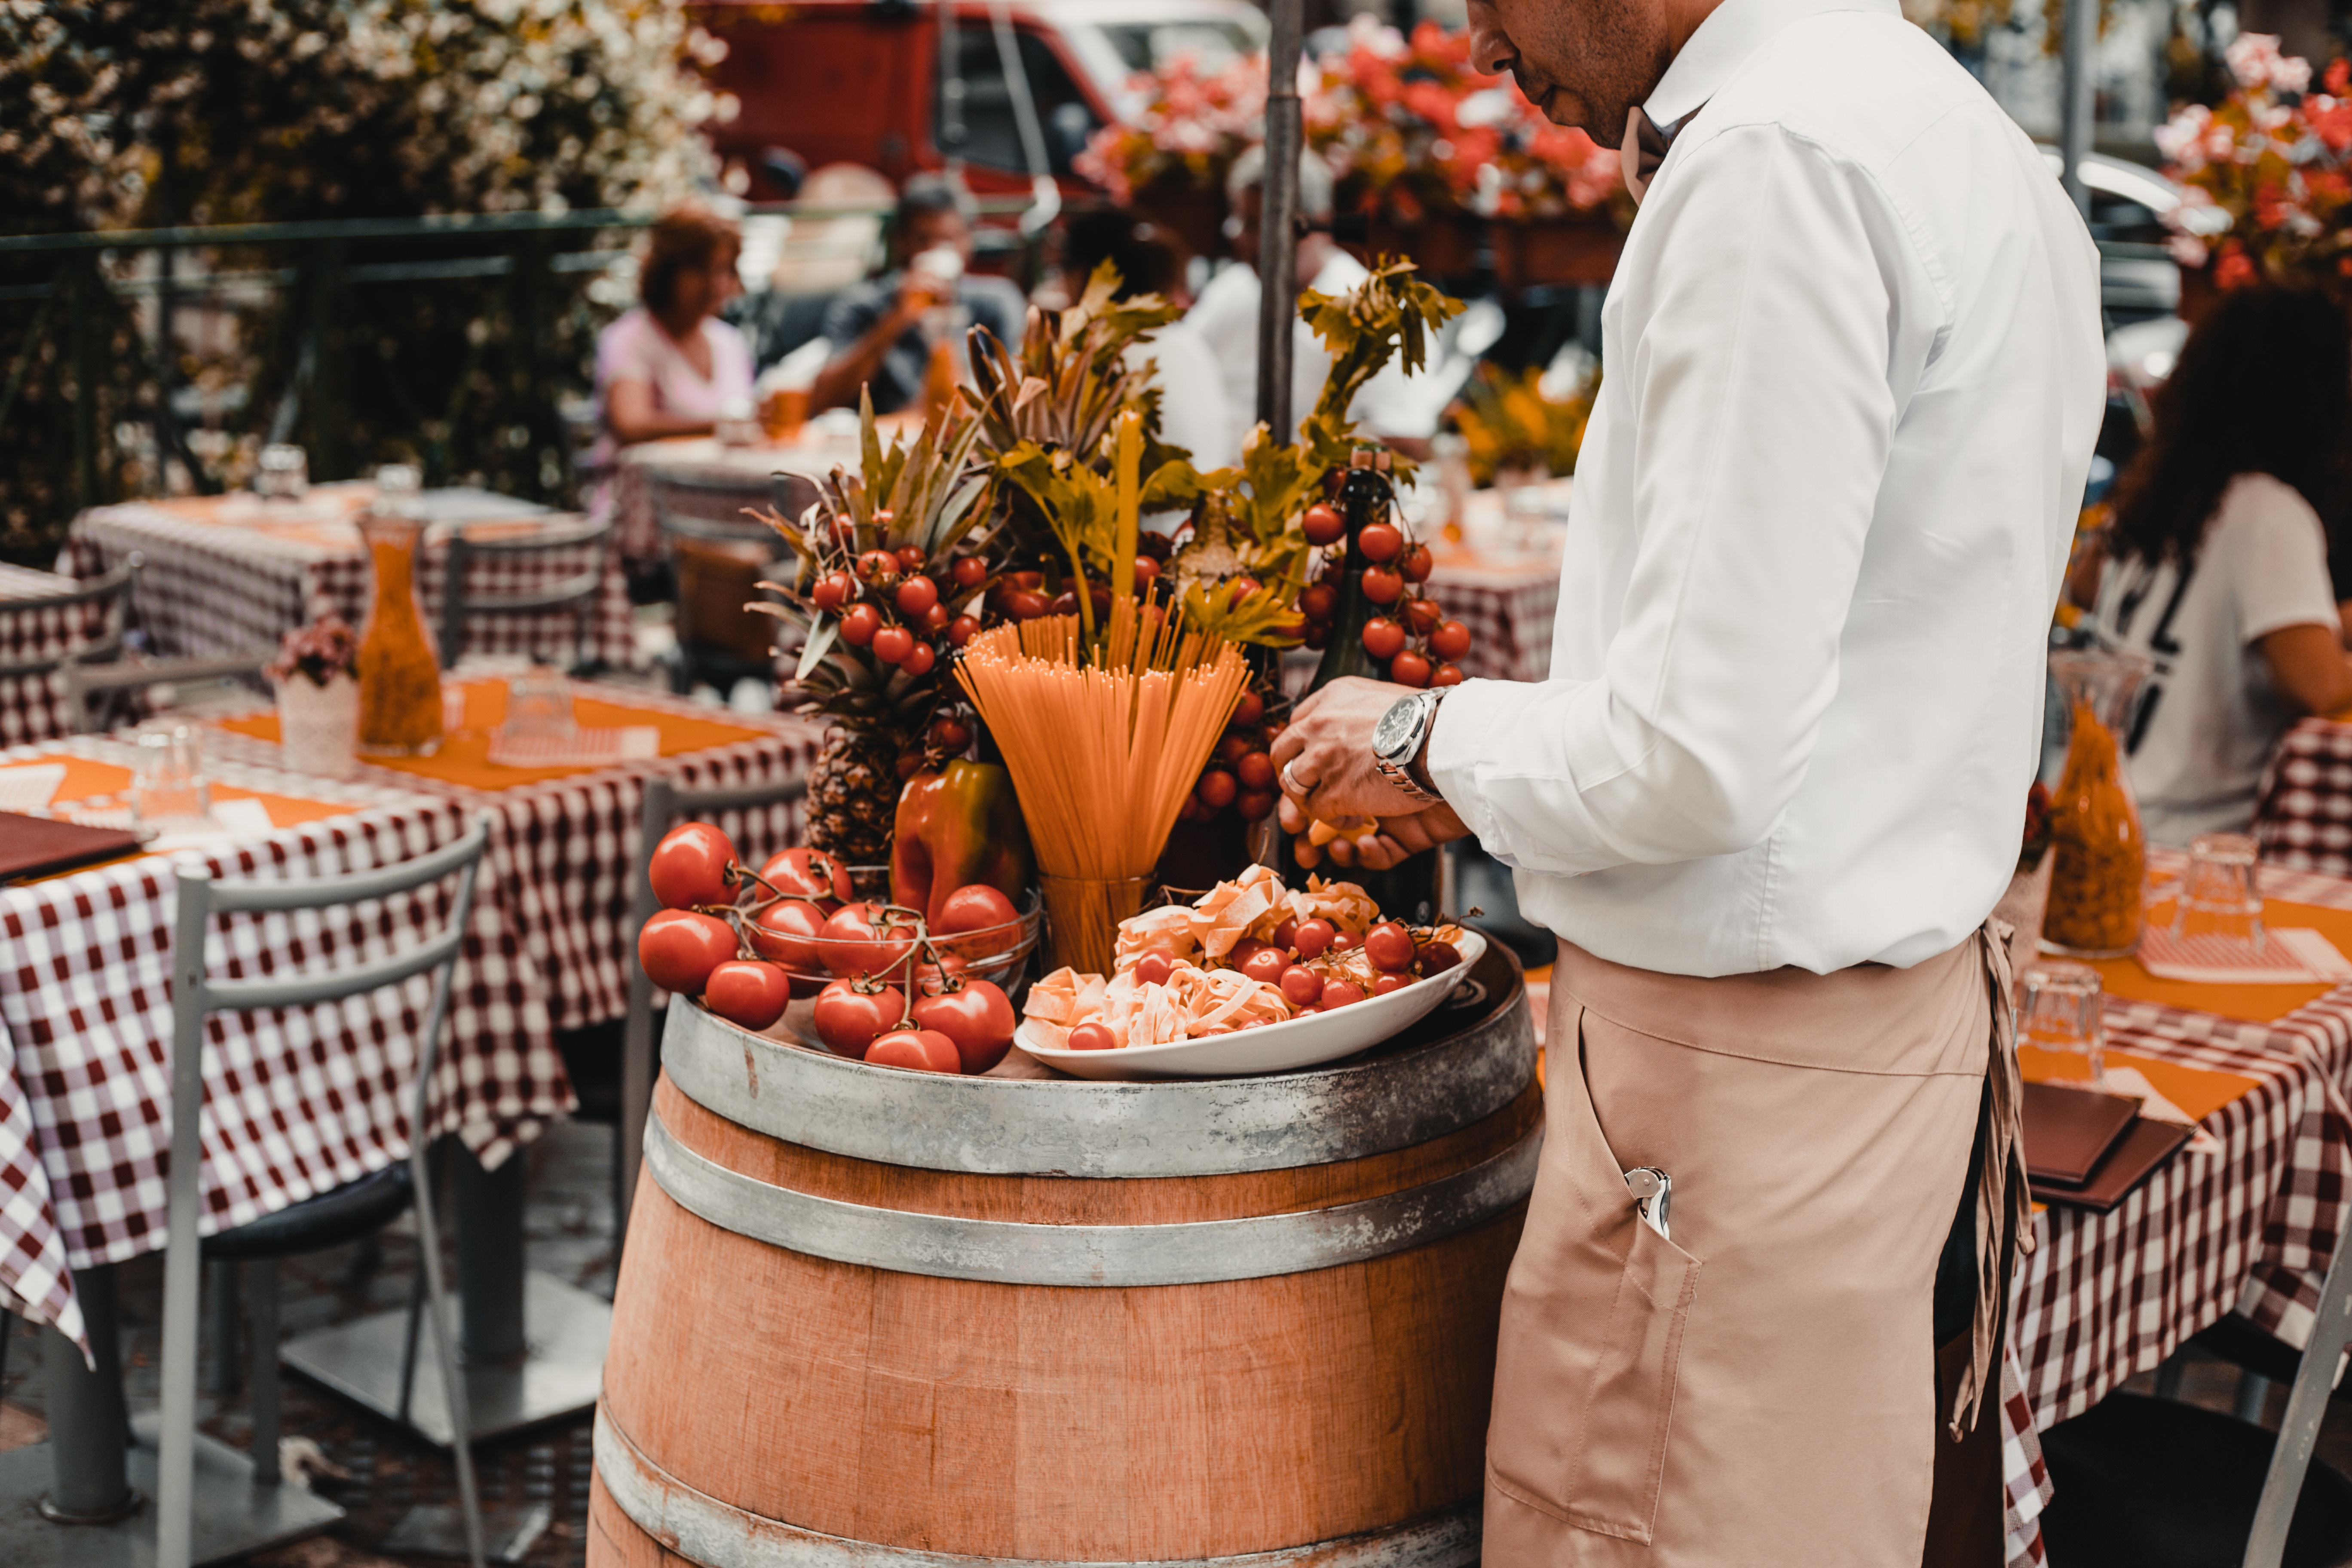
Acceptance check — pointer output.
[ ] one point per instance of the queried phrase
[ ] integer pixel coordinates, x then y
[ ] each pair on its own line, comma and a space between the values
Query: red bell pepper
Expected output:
955, 827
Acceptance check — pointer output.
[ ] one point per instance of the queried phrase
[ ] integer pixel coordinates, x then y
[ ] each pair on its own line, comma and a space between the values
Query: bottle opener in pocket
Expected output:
1655, 1190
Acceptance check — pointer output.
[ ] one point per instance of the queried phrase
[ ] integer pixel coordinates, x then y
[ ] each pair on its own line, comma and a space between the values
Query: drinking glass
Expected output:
538, 703
397, 487
2219, 896
284, 472
167, 782
2061, 1019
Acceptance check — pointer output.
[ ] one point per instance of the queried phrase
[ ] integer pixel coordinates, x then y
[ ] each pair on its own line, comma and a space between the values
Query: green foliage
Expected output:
1389, 314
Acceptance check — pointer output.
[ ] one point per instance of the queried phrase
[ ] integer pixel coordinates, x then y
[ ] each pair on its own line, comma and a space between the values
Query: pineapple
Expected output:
853, 795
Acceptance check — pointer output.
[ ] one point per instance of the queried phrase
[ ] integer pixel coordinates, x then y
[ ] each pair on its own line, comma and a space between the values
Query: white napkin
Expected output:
30, 789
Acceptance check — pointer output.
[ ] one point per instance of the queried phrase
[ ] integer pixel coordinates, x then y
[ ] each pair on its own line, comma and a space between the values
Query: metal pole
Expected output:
85, 413
2077, 101
950, 132
1277, 269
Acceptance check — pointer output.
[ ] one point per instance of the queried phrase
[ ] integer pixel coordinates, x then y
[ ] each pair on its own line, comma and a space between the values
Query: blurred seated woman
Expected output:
671, 367
2217, 562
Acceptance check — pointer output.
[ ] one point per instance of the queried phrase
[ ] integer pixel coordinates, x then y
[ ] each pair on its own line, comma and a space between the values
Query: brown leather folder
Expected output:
2068, 1130
36, 846
2144, 1146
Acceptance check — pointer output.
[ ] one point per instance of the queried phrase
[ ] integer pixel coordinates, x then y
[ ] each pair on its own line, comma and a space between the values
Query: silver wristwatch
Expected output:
1397, 740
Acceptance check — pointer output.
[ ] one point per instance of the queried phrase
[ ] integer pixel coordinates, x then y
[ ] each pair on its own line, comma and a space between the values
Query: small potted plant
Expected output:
317, 676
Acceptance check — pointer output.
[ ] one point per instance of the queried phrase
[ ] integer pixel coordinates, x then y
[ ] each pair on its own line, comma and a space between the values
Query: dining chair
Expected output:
93, 690
666, 802
347, 1213
111, 596
716, 557
578, 593
2146, 1481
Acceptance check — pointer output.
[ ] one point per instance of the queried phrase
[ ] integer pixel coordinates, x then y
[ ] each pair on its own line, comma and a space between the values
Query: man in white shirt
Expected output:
1773, 787
1225, 315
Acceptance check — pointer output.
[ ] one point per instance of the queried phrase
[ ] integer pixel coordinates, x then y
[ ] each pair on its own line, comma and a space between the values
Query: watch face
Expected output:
1396, 728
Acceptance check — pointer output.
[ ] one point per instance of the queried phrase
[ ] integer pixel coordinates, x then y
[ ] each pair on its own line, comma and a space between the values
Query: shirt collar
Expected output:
1731, 32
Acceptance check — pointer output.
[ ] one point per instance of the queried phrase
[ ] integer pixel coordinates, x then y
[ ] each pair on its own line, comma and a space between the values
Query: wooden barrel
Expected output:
871, 1318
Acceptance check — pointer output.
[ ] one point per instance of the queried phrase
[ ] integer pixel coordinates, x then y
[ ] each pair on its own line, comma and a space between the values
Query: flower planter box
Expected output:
1544, 252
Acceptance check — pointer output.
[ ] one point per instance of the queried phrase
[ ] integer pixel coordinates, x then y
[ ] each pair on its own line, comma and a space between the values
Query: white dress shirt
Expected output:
1196, 412
1225, 315
1853, 375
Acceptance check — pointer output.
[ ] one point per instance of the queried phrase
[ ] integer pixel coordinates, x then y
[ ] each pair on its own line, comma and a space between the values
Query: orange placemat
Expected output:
464, 757
2252, 1004
2199, 1092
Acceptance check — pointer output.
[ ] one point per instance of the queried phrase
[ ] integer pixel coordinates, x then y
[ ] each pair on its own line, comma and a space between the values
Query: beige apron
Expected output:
1759, 1391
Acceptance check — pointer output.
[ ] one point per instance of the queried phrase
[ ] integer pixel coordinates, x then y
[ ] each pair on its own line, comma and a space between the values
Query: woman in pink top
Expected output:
671, 367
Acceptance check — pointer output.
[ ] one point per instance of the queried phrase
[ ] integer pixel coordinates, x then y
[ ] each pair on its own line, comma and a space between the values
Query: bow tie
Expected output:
1644, 149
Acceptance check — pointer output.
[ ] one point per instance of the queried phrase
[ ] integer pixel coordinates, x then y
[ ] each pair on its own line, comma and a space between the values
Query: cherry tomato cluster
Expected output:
1240, 771
1411, 636
802, 926
898, 603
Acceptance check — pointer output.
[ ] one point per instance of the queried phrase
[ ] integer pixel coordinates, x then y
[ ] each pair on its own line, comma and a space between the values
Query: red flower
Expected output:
2234, 271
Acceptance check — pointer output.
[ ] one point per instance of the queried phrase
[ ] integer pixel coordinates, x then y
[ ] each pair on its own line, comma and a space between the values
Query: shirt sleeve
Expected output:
624, 351
1764, 378
2278, 558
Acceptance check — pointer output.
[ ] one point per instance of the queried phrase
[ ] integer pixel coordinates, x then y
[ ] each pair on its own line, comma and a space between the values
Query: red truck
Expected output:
859, 82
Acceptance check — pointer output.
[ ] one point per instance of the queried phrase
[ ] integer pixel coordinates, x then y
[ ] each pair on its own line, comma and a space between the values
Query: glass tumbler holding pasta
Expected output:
2096, 908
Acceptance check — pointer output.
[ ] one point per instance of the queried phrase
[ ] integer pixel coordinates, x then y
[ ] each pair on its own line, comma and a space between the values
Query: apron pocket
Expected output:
1621, 1457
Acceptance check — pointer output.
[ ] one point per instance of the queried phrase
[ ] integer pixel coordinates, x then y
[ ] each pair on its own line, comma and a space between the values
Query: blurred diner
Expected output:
2216, 565
670, 366
885, 333
1196, 411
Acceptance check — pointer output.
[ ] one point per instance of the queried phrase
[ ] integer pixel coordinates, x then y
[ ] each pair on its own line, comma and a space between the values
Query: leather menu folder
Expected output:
2144, 1146
36, 846
2068, 1130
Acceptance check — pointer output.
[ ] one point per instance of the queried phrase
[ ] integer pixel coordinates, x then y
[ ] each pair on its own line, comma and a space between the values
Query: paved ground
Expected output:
569, 1227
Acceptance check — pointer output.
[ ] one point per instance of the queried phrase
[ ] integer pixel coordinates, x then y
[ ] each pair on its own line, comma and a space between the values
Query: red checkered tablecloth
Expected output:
2302, 807
34, 707
297, 1101
742, 473
230, 573
1509, 609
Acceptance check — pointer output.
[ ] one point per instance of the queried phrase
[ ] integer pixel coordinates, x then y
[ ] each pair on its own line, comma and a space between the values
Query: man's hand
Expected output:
1324, 756
1396, 839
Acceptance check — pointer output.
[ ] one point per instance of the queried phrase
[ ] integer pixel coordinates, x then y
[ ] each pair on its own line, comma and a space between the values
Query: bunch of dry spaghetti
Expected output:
1103, 745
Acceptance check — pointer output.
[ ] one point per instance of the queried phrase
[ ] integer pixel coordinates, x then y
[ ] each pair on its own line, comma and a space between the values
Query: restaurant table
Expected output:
296, 1103
1509, 602
35, 707
2303, 806
564, 839
230, 573
742, 471
2102, 1297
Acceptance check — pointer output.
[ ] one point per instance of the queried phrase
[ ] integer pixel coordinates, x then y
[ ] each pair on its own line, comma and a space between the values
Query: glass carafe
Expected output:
400, 678
2097, 886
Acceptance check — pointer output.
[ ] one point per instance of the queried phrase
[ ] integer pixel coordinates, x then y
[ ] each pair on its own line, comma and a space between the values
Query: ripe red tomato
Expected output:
1450, 640
1146, 571
1417, 564
924, 1050
865, 939
1437, 957
1409, 668
1446, 674
930, 979
1388, 983
806, 873
1339, 994
1216, 789
915, 596
746, 992
951, 734
936, 618
833, 590
960, 630
689, 867
1383, 638
1381, 541
1317, 636
1323, 523
969, 571
978, 1019
1248, 708
1255, 770
1389, 947
1346, 942
1092, 1038
1382, 584
1155, 966
1313, 935
1301, 986
860, 625
920, 659
1255, 804
893, 644
848, 1020
786, 931
680, 949
1266, 964
877, 564
974, 907
1421, 616
1318, 601
910, 556
1026, 604
1286, 935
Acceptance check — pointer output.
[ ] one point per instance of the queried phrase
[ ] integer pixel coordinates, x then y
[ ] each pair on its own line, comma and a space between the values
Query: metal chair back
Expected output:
85, 681
195, 994
112, 592
577, 593
2306, 1407
665, 803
